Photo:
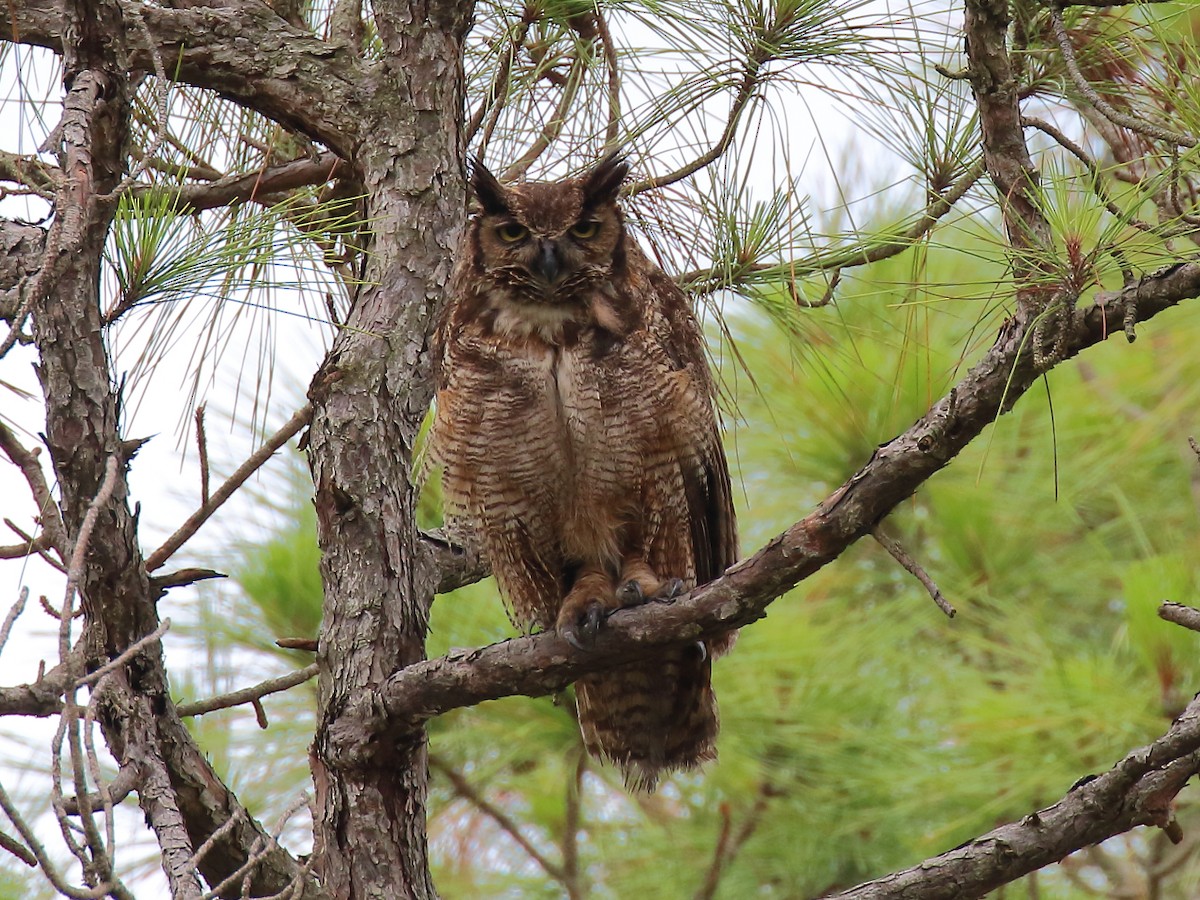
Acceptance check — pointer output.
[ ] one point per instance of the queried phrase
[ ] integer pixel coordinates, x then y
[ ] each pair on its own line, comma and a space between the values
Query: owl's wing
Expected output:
701, 457
710, 513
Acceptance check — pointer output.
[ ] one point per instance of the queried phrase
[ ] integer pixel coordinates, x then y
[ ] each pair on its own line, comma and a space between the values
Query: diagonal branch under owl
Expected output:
579, 448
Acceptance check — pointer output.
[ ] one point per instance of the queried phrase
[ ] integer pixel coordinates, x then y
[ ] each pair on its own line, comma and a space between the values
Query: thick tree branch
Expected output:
1187, 616
254, 186
456, 566
38, 698
369, 398
544, 663
39, 177
244, 52
158, 800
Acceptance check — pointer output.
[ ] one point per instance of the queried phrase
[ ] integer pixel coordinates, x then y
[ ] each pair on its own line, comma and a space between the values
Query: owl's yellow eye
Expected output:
588, 228
511, 232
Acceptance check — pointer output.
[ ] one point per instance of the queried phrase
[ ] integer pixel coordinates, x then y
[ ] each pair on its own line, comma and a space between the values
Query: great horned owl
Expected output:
577, 436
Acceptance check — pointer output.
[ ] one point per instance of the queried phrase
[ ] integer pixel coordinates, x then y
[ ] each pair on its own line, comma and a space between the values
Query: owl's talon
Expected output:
581, 634
630, 594
671, 589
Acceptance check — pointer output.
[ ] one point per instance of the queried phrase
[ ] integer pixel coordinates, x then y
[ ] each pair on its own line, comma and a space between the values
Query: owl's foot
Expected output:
593, 598
640, 583
584, 608
581, 633
631, 593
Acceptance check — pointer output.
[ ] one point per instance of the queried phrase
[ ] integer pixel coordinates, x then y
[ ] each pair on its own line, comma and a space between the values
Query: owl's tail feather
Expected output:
651, 717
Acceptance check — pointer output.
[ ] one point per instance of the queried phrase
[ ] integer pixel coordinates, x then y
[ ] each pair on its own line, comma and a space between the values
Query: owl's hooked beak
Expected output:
549, 262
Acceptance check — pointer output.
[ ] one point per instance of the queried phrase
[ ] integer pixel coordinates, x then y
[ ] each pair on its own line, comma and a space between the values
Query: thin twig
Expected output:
712, 877
571, 820
33, 546
1176, 205
211, 841
79, 554
127, 654
56, 615
86, 762
162, 87
225, 491
295, 890
248, 694
555, 123
751, 78
729, 844
502, 87
1187, 616
893, 547
17, 849
202, 450
68, 730
613, 129
706, 281
27, 462
11, 618
103, 789
1097, 179
45, 864
466, 791
121, 786
1133, 123
500, 82
260, 850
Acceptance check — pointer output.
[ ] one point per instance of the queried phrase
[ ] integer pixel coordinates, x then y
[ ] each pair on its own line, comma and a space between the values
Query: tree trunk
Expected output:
370, 397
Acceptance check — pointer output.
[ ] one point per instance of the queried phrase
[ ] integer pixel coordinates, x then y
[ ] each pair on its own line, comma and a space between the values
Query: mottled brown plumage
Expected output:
578, 443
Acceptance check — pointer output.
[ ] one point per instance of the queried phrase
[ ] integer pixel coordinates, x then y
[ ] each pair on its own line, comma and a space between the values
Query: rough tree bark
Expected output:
83, 434
369, 399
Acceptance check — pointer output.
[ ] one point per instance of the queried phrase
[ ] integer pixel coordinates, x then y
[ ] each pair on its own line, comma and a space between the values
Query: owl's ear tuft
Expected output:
603, 181
486, 187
